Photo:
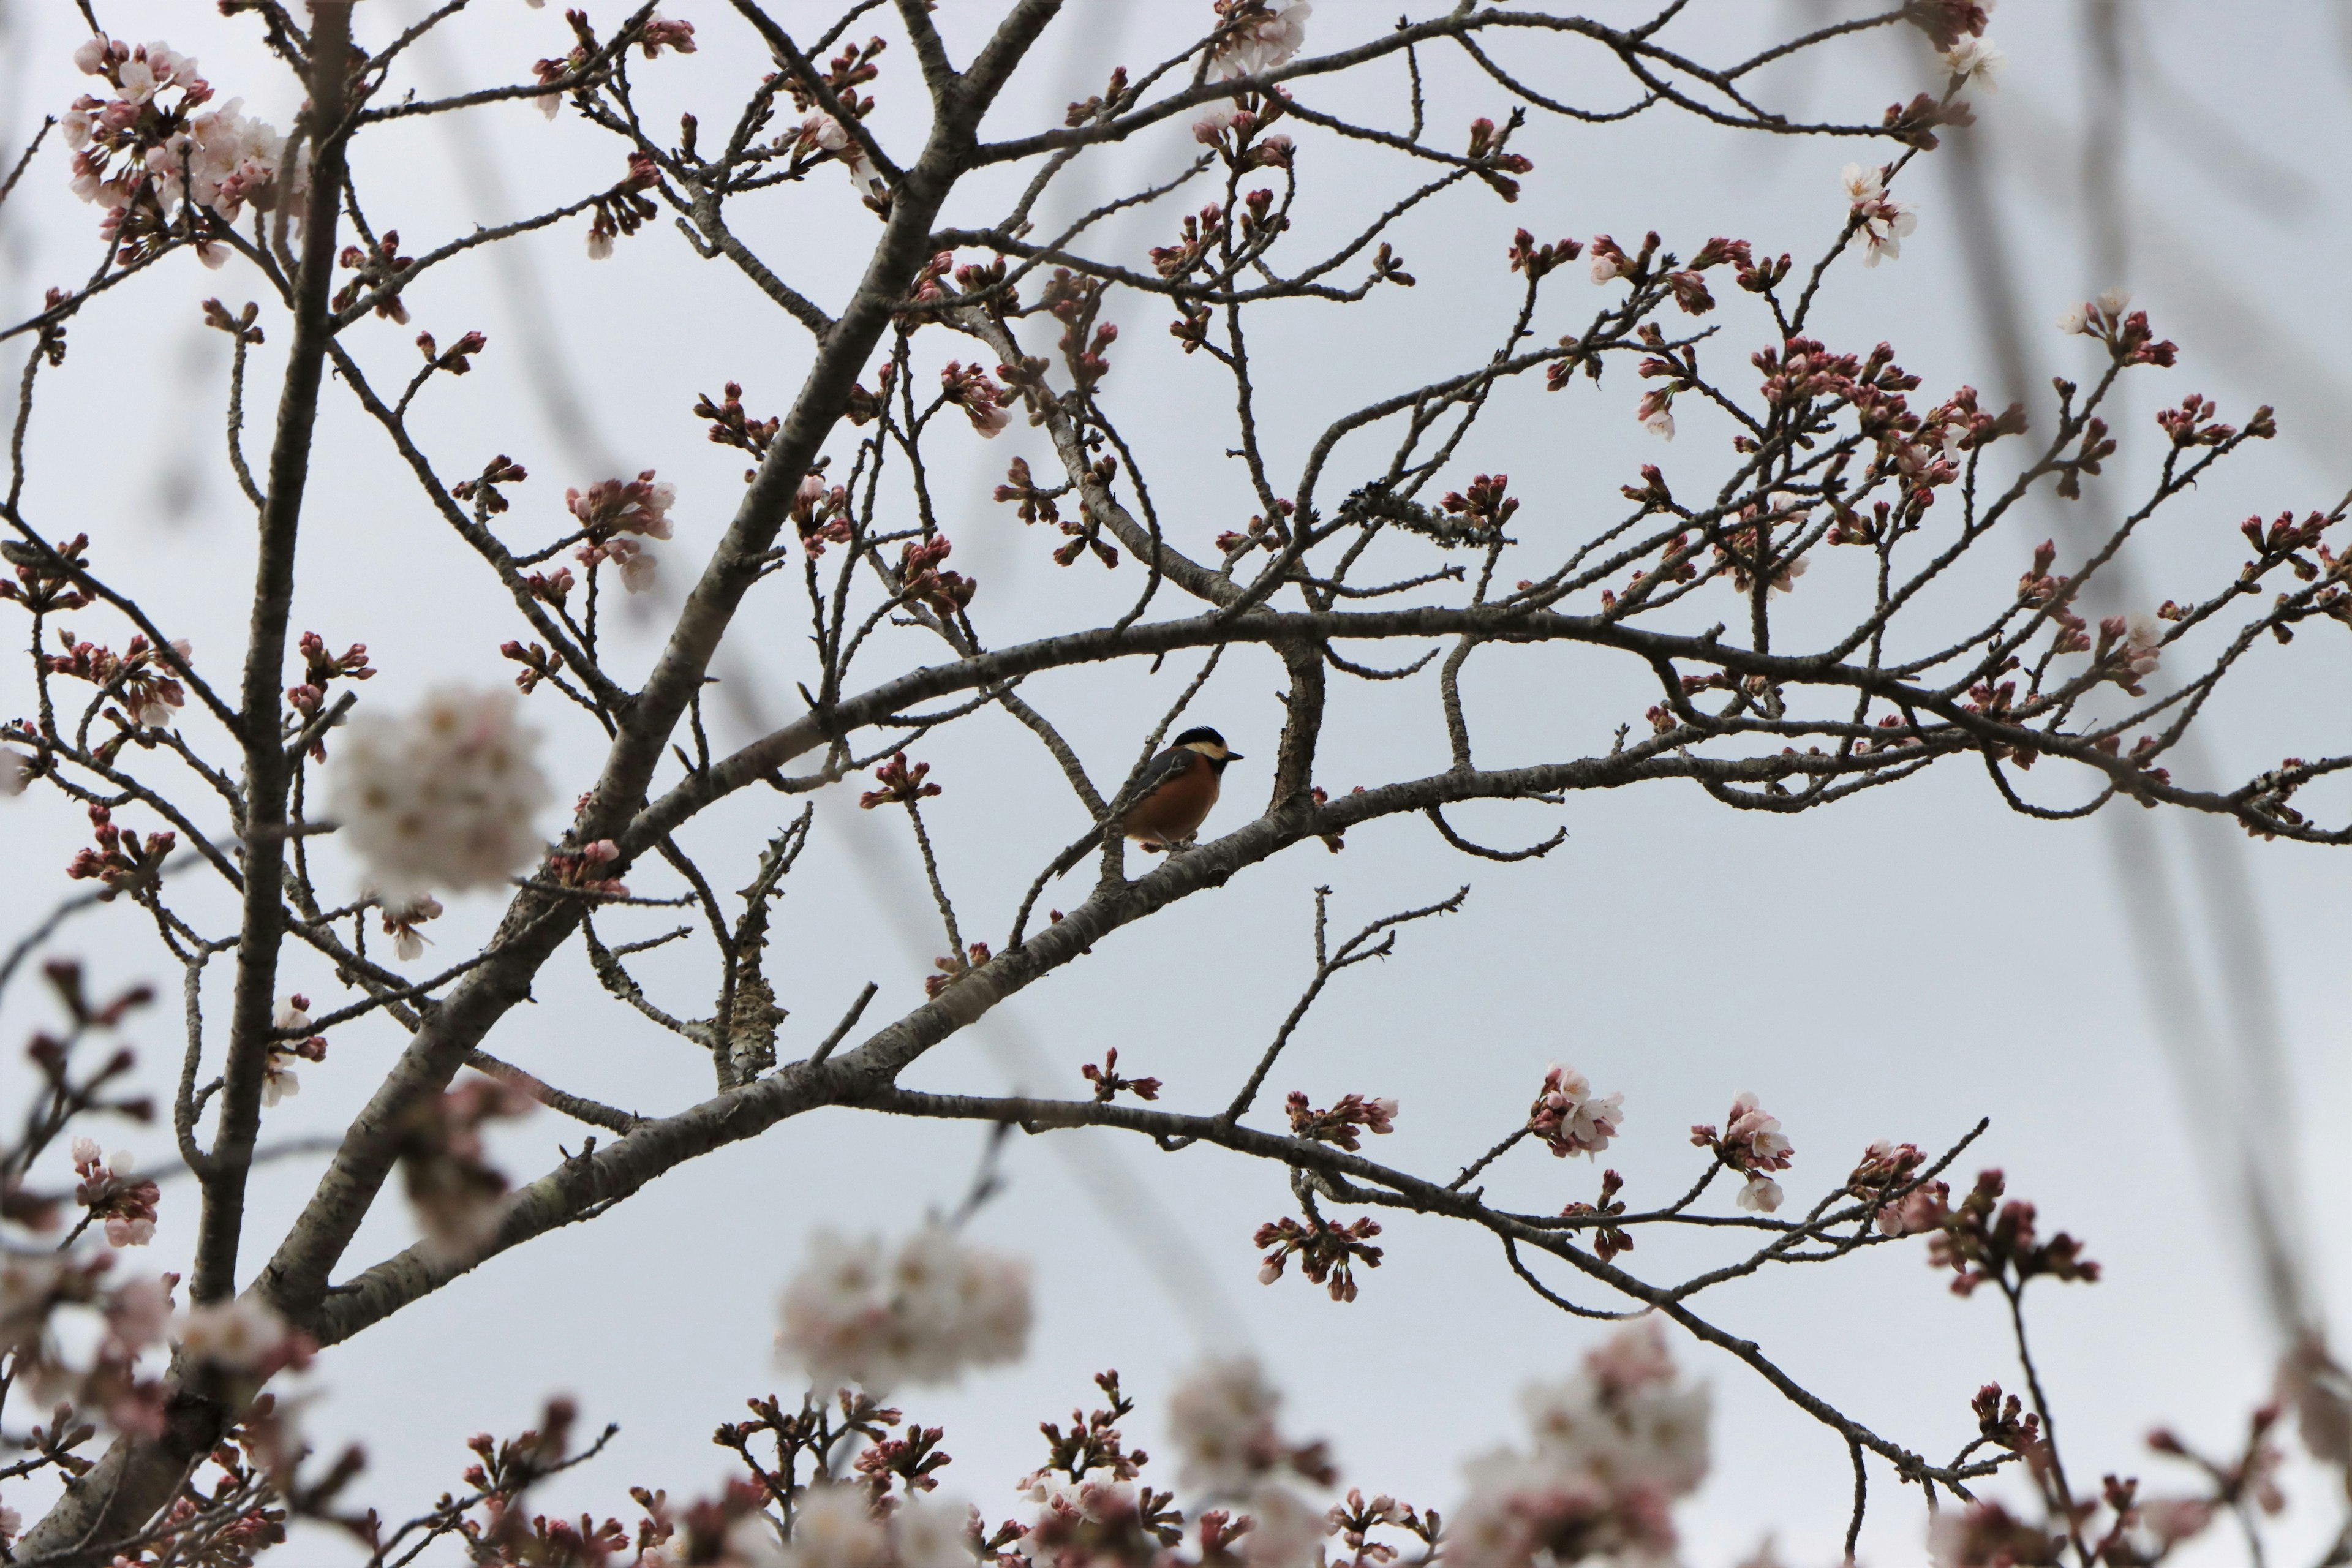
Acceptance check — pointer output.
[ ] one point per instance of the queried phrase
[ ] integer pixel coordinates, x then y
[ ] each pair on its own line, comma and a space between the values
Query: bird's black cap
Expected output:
1203, 735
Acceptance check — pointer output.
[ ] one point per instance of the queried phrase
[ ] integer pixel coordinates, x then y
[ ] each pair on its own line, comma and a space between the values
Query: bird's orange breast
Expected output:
1178, 807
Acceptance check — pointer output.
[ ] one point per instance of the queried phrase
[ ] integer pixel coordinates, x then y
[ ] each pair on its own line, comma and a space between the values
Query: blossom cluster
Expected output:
1882, 222
923, 1312
114, 1192
442, 797
1751, 1143
292, 1023
1257, 36
1568, 1117
612, 515
152, 144
1614, 1446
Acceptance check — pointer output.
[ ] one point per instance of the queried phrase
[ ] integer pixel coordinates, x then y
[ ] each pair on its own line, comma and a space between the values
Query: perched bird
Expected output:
1178, 787
1172, 798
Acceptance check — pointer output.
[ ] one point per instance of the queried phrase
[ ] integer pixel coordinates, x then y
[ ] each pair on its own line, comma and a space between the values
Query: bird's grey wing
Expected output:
1159, 771
1156, 772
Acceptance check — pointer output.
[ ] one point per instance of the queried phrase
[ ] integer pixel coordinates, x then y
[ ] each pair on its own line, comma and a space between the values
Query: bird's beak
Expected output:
1232, 756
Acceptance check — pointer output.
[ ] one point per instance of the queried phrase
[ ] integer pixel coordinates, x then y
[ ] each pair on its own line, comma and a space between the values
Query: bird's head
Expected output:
1210, 744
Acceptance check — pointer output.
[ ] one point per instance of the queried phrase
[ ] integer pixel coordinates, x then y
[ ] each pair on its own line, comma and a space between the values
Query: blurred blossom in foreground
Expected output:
922, 1313
1615, 1445
442, 797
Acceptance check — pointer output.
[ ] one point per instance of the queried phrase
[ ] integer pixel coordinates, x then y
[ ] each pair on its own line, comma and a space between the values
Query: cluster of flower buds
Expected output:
483, 492
1609, 261
538, 664
1270, 533
844, 75
319, 668
293, 1041
382, 270
1983, 1240
574, 68
1076, 301
1914, 123
457, 358
921, 580
902, 783
1232, 128
1751, 1143
821, 516
45, 576
1197, 235
954, 966
550, 587
624, 209
1570, 1118
731, 426
1327, 1253
1108, 1081
1947, 22
1486, 509
1608, 1240
982, 400
1490, 163
587, 869
121, 862
2283, 540
1338, 1124
1536, 261
1884, 1172
1740, 552
138, 675
622, 506
612, 515
2128, 337
115, 1195
1100, 106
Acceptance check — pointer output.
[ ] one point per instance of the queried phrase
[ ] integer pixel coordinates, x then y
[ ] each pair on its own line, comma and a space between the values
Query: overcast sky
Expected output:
1897, 967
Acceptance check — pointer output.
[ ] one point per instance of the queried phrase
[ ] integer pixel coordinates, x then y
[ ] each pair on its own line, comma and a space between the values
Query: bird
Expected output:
1172, 797
1177, 790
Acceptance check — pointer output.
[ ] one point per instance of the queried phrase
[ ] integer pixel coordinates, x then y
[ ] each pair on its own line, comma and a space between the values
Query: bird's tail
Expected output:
1074, 853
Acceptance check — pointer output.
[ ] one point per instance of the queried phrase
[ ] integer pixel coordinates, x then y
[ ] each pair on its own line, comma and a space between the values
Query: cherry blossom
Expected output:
923, 1313
1656, 412
820, 131
242, 1335
1614, 1446
1976, 60
112, 1190
1265, 37
441, 797
399, 923
1220, 1418
225, 159
1570, 1118
139, 1313
1285, 1531
833, 1527
1760, 1196
1884, 221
